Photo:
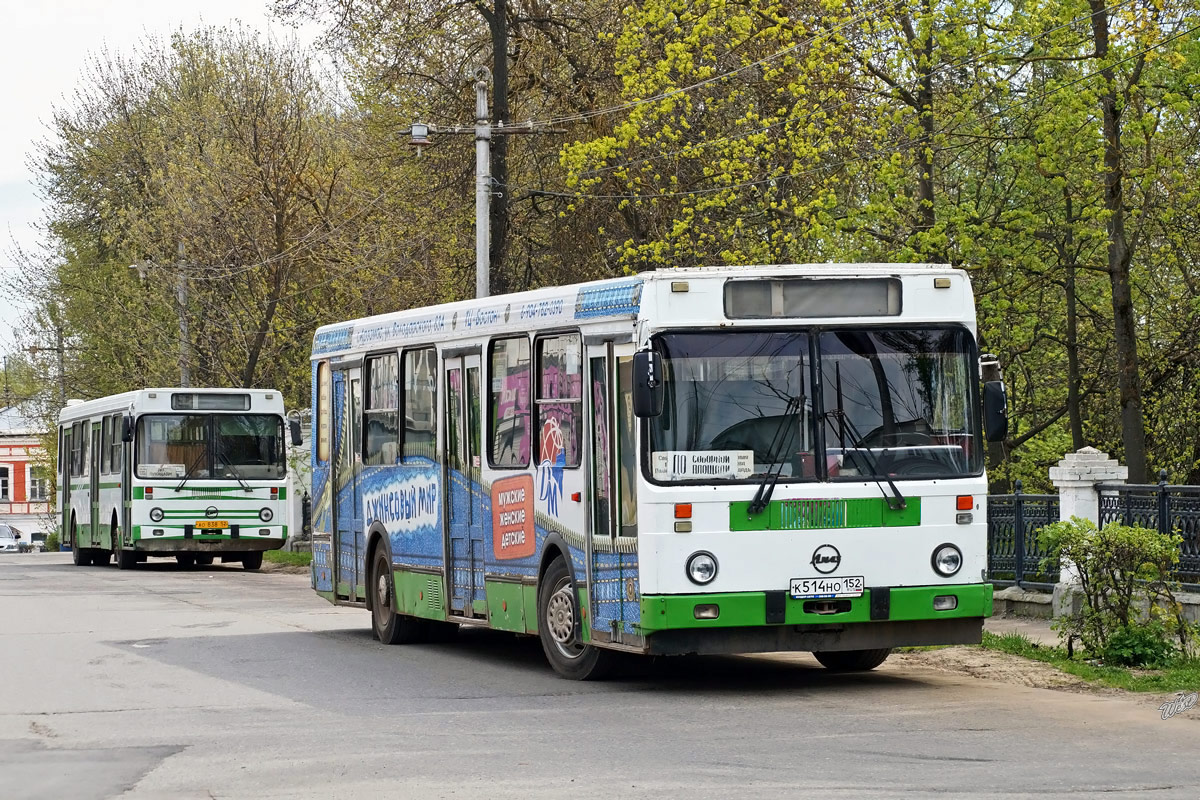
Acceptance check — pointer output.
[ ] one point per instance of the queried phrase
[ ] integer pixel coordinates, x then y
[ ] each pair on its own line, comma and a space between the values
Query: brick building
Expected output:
26, 501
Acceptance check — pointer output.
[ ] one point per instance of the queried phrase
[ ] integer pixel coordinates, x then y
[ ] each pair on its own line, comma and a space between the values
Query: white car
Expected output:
10, 539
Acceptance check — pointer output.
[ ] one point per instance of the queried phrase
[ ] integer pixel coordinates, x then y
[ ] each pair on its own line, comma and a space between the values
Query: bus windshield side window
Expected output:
559, 400
510, 402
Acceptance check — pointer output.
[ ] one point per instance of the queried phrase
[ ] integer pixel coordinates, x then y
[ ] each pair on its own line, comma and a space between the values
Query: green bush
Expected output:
1145, 645
1130, 613
52, 545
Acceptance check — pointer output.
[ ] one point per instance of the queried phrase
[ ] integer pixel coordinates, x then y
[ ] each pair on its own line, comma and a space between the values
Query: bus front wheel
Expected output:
852, 660
80, 556
252, 560
126, 559
558, 628
388, 626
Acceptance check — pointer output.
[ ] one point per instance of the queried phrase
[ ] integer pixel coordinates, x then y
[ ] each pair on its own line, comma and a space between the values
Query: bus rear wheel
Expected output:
852, 660
252, 560
388, 626
558, 615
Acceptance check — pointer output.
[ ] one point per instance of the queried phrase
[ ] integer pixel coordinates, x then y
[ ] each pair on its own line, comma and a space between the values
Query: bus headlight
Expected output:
266, 515
156, 515
947, 560
701, 567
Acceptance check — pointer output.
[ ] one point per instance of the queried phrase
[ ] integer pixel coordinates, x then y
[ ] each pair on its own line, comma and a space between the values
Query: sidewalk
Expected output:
1036, 630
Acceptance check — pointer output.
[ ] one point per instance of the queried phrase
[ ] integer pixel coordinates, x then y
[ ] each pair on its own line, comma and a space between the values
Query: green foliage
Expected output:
298, 558
1129, 611
1144, 645
52, 543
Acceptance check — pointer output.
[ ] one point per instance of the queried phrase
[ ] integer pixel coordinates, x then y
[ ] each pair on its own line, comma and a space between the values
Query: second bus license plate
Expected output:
212, 524
820, 588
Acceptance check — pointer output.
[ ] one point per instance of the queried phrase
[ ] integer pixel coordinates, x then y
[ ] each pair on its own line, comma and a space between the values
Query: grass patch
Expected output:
1181, 676
300, 559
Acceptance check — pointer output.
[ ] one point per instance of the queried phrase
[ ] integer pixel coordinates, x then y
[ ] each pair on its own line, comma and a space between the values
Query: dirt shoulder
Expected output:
975, 662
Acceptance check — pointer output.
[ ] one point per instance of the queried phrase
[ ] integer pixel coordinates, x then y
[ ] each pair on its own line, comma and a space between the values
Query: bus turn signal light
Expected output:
683, 511
965, 502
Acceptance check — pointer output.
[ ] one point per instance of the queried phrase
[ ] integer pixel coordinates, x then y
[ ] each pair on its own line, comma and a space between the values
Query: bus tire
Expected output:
557, 621
252, 560
80, 556
204, 560
388, 626
126, 559
185, 560
852, 660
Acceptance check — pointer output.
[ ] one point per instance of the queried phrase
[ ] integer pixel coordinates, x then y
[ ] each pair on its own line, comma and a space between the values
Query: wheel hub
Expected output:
560, 621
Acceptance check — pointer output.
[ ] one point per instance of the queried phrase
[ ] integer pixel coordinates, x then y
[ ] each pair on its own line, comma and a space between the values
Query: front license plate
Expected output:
818, 588
212, 523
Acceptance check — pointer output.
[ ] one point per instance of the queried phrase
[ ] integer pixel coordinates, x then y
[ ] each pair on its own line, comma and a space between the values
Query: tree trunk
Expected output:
1120, 254
498, 212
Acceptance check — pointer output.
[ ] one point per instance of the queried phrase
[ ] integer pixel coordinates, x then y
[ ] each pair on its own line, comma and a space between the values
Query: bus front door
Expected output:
348, 576
463, 464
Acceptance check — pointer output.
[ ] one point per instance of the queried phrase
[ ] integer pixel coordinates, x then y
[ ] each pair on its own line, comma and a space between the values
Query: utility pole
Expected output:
483, 180
483, 131
60, 349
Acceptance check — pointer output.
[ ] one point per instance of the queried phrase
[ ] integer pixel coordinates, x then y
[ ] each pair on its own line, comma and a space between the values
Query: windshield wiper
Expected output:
896, 501
187, 474
784, 435
233, 471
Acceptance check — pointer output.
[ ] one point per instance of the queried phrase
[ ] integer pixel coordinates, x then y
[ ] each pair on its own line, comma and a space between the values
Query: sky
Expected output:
44, 48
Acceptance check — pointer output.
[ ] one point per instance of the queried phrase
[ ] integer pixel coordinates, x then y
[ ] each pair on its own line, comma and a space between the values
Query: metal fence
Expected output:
1014, 554
1163, 507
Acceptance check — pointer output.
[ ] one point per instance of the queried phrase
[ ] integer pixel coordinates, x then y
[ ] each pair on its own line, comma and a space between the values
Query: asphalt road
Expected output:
218, 683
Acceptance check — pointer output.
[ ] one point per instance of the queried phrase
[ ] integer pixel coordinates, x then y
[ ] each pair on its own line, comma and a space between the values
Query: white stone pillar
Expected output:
1076, 477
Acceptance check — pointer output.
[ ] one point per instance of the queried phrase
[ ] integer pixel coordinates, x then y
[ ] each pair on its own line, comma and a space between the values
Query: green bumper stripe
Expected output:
824, 514
662, 612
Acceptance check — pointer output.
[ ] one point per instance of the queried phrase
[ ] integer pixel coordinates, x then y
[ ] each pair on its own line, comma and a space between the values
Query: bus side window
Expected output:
559, 400
381, 437
627, 453
509, 402
324, 424
106, 445
419, 435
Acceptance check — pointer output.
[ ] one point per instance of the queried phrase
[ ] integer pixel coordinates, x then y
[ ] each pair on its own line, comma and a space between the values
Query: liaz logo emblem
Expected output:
826, 559
211, 512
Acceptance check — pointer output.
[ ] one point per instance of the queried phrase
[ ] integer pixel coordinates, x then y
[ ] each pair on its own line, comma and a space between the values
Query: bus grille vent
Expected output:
433, 594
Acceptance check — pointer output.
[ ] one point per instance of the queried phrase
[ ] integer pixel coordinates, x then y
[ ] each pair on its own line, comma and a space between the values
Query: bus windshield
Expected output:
246, 446
894, 403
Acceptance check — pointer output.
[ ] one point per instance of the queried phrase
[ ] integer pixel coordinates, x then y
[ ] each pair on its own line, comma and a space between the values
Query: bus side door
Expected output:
348, 550
94, 486
463, 463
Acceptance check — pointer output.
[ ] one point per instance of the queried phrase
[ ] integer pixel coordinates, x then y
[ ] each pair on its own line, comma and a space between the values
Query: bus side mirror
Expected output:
126, 429
995, 411
647, 384
294, 427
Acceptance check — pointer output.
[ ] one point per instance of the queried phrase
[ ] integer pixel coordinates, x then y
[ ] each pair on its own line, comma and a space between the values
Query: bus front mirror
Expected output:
126, 429
294, 427
647, 384
995, 411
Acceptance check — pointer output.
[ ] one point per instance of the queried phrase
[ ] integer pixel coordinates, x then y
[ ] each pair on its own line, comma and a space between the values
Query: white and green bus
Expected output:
719, 460
194, 474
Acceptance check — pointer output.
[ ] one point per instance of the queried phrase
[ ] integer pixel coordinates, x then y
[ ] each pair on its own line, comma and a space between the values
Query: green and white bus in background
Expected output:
193, 474
718, 460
